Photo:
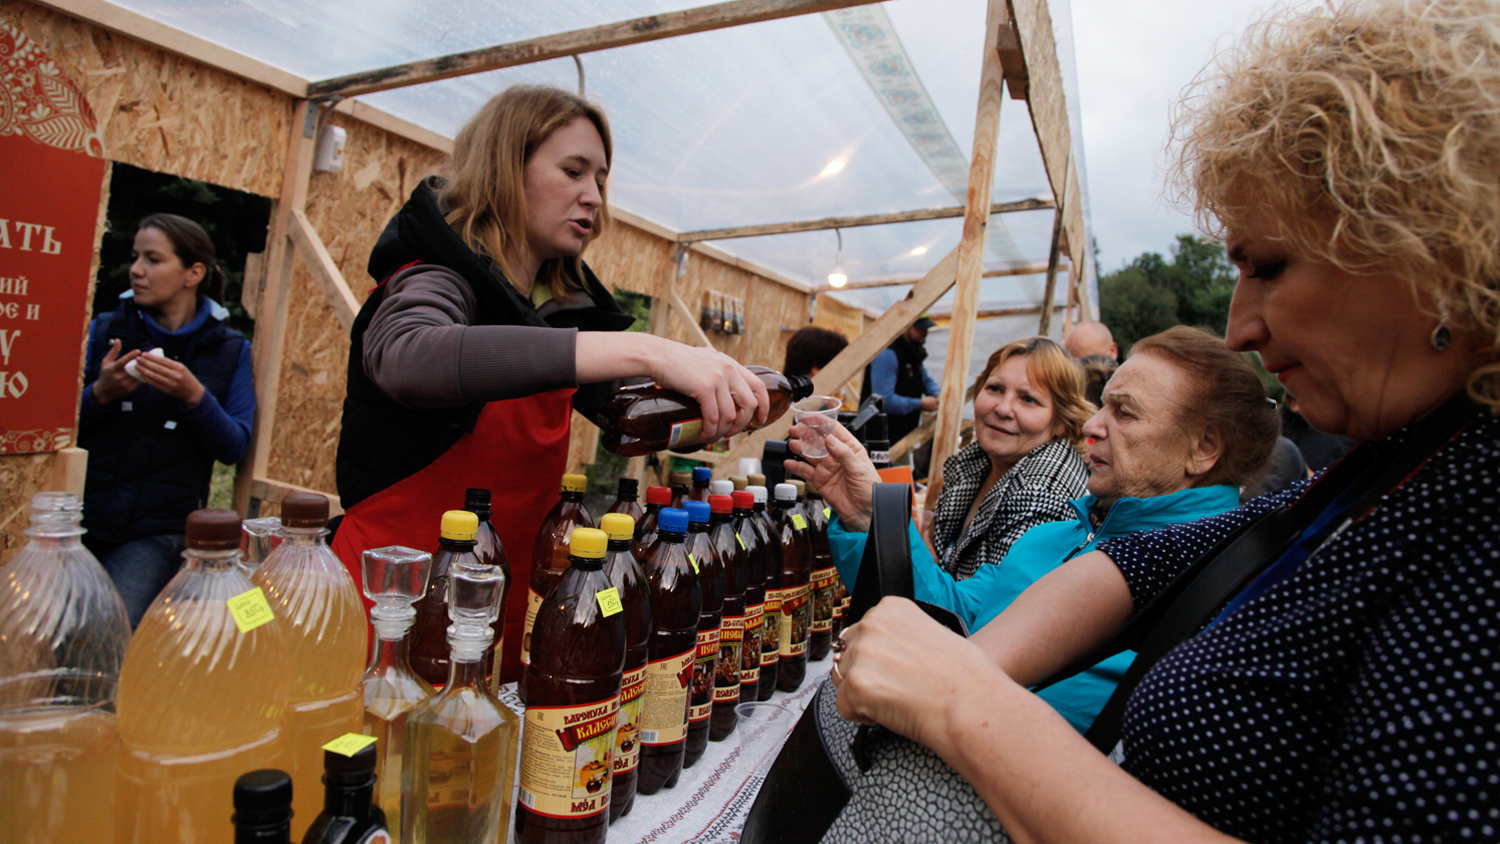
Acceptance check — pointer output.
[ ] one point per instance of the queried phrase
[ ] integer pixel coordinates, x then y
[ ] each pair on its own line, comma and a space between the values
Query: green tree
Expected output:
1152, 293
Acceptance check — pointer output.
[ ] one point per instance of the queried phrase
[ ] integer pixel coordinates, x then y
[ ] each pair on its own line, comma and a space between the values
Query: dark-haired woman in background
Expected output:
154, 424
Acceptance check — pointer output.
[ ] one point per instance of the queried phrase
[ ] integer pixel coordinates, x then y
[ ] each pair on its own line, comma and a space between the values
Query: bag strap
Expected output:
1236, 562
885, 568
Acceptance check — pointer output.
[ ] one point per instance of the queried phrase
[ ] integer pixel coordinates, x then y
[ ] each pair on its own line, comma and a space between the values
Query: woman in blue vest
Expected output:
1185, 425
167, 392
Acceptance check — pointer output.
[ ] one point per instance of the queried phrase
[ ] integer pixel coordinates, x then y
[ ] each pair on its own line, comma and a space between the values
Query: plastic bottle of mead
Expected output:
429, 637
733, 556
63, 632
319, 608
704, 558
676, 601
626, 500
643, 419
549, 558
681, 482
793, 585
820, 636
629, 580
568, 745
657, 497
770, 630
702, 476
491, 552
747, 535
458, 769
203, 694
395, 577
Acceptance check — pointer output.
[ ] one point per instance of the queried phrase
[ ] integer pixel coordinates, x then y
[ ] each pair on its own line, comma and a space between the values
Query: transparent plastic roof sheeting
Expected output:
765, 123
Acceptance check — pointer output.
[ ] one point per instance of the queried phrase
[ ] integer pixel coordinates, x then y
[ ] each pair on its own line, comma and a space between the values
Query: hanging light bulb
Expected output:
838, 278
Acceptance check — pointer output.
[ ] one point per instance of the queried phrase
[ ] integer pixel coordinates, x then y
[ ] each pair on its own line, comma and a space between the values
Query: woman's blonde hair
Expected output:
1052, 369
485, 177
1370, 131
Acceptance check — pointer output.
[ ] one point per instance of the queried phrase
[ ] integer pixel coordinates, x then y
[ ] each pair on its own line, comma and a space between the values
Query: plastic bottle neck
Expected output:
457, 546
348, 800
201, 560
697, 527
801, 386
481, 513
719, 519
618, 545
671, 536
586, 563
569, 495
56, 528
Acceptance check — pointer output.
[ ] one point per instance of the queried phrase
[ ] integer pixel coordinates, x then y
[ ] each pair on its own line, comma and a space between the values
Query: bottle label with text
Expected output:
770, 630
823, 599
796, 618
664, 713
566, 757
686, 431
750, 653
731, 640
628, 733
704, 667
533, 603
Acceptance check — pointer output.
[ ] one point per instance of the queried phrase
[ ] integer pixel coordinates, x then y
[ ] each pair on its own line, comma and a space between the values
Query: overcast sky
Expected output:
1133, 61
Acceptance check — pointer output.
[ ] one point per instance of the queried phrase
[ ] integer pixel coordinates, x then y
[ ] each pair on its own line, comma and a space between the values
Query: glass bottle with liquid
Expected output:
491, 552
568, 742
794, 587
394, 578
645, 419
681, 482
203, 694
63, 636
824, 574
629, 580
704, 558
458, 770
627, 500
676, 603
259, 538
263, 807
770, 630
323, 618
746, 534
458, 542
702, 477
549, 558
732, 556
350, 814
657, 497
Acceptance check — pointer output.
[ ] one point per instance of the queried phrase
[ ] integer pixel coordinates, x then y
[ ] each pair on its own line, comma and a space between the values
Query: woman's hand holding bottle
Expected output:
845, 478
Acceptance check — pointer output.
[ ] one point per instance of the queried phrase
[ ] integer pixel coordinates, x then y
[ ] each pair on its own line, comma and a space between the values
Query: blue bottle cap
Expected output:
697, 511
673, 520
702, 474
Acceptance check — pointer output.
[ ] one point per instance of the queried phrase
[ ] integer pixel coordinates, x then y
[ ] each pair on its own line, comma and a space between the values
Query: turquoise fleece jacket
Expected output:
1040, 550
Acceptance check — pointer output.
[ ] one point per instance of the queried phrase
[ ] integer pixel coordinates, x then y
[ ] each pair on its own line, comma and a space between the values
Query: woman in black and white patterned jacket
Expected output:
1024, 465
1350, 154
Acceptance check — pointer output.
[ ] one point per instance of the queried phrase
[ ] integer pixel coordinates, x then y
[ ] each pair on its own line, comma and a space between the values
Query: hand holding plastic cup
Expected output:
818, 415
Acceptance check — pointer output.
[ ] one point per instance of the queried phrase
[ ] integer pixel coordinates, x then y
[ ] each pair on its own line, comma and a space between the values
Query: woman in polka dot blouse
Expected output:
1349, 155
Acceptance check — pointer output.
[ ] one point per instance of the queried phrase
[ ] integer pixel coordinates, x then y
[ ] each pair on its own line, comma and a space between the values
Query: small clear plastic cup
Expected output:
763, 728
818, 415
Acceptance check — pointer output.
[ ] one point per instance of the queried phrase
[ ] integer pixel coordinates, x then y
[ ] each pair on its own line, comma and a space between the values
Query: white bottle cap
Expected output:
786, 492
749, 466
759, 492
721, 487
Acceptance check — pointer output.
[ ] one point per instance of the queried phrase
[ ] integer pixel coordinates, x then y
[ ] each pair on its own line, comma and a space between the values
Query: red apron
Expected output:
518, 450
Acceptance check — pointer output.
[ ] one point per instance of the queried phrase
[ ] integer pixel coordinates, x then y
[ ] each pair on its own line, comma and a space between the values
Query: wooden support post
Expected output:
1072, 300
312, 252
918, 435
273, 491
69, 470
971, 247
270, 334
1050, 292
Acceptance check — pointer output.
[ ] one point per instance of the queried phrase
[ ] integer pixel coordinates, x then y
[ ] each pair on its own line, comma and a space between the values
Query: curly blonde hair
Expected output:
1371, 130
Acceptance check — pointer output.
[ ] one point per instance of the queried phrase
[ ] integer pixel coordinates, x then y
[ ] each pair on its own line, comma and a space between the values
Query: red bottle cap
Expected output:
743, 500
658, 495
720, 503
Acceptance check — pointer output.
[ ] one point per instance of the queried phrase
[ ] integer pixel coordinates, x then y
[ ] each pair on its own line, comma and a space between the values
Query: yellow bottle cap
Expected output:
588, 542
618, 525
461, 525
574, 483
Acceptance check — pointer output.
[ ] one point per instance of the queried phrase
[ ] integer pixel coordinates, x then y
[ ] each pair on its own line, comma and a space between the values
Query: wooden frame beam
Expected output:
951, 397
592, 39
265, 489
1049, 293
312, 252
1033, 269
856, 222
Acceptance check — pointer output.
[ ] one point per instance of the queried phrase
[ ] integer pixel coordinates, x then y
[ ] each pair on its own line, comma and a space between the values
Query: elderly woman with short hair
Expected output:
1351, 154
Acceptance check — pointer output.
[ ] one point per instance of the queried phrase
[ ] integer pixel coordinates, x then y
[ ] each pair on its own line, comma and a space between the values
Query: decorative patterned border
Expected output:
38, 101
31, 442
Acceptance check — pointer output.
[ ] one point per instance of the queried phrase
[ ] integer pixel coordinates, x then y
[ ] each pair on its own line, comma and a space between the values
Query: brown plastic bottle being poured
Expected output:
644, 419
549, 557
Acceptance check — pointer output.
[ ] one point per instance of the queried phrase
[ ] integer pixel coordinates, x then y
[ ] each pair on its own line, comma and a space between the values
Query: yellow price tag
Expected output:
741, 541
349, 744
694, 561
609, 601
250, 610
798, 522
827, 512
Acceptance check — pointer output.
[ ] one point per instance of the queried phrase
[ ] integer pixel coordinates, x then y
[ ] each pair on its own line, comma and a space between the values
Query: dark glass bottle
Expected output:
629, 579
681, 482
824, 575
748, 536
263, 807
549, 558
732, 556
676, 603
349, 815
770, 629
627, 499
702, 476
704, 558
491, 552
657, 497
429, 636
796, 572
878, 441
573, 682
819, 513
640, 420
